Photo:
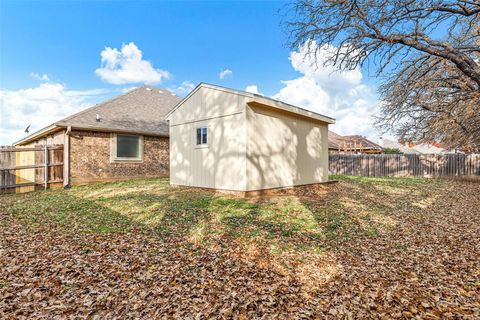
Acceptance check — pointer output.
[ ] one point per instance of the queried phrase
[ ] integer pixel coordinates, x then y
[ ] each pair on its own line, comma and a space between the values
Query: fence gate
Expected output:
31, 168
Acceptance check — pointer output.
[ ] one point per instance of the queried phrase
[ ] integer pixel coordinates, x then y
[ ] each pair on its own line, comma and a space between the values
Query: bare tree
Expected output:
427, 53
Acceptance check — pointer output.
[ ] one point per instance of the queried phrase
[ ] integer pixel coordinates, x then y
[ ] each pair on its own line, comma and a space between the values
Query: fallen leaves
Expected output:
425, 266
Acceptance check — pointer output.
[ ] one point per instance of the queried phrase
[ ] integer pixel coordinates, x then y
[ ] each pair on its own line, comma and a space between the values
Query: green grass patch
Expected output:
356, 207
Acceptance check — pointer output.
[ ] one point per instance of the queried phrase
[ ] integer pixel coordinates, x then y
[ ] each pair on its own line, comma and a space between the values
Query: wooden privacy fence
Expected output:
404, 165
28, 169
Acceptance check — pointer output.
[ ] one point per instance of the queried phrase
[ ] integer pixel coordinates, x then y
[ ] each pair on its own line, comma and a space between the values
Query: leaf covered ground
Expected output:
360, 248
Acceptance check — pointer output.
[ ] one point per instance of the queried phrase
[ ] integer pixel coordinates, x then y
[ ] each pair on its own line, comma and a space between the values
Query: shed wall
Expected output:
284, 149
208, 103
220, 165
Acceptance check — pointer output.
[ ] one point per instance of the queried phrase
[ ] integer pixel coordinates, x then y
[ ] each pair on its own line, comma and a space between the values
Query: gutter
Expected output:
59, 125
106, 129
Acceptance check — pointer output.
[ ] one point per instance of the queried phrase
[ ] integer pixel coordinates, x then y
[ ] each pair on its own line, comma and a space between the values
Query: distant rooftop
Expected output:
386, 143
336, 141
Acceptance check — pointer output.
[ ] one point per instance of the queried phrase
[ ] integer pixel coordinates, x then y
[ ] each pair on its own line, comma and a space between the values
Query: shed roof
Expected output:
259, 99
141, 110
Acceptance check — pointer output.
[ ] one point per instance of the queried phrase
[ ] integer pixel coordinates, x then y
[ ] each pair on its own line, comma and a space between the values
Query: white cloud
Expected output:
339, 94
184, 89
127, 66
41, 77
225, 73
40, 106
252, 89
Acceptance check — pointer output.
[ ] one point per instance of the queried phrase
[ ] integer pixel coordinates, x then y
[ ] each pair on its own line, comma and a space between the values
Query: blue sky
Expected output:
50, 51
192, 40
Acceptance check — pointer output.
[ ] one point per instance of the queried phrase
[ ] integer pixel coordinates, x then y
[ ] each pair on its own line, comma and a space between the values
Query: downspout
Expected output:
66, 158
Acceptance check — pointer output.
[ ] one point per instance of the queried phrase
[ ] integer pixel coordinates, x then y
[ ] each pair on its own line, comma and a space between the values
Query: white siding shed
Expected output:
252, 142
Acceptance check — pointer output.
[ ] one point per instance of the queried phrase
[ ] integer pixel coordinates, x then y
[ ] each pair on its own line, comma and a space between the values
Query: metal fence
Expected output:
405, 165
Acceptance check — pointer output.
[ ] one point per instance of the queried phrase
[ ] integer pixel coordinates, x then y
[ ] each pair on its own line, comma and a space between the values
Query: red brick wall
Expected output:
90, 158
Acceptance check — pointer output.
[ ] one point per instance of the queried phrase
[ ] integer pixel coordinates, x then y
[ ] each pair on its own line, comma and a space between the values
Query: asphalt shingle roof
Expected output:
397, 145
140, 110
336, 141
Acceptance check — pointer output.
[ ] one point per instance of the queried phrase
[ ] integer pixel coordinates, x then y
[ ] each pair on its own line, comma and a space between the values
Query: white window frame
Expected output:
113, 149
201, 145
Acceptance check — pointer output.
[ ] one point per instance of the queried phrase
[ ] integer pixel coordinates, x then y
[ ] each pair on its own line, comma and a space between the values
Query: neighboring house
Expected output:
431, 148
333, 146
124, 137
412, 148
353, 144
386, 143
233, 140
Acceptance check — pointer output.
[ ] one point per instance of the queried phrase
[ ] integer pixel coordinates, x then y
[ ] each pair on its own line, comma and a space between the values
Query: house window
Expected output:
202, 136
128, 147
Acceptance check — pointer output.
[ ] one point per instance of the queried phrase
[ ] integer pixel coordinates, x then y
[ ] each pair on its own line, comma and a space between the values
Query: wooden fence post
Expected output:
46, 167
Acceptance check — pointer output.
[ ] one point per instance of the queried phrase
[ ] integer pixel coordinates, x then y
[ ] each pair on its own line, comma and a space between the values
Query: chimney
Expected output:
98, 118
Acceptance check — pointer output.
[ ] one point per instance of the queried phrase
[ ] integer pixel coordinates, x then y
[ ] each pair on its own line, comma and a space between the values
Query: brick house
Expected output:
124, 137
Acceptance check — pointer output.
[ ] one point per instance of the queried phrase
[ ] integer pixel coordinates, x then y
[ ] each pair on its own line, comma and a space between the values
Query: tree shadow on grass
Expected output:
297, 234
282, 223
303, 221
183, 273
204, 217
295, 231
358, 207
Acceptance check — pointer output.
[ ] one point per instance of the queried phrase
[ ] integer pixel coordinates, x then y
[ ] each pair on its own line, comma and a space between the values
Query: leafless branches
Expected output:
429, 99
428, 52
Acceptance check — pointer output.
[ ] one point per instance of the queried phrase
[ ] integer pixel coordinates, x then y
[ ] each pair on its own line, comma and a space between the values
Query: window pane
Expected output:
128, 146
204, 135
199, 135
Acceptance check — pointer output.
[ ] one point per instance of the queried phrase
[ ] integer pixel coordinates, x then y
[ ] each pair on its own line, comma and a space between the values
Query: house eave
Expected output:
40, 133
116, 130
258, 101
59, 125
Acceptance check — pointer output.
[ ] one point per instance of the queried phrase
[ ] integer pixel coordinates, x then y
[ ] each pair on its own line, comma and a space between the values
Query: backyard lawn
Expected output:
360, 248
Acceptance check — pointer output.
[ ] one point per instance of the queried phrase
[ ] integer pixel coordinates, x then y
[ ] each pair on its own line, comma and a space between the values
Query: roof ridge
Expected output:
140, 108
244, 93
98, 105
265, 97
